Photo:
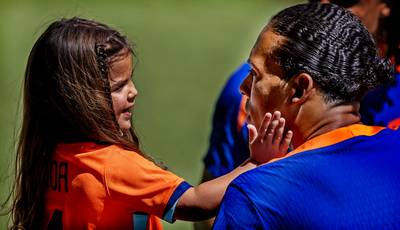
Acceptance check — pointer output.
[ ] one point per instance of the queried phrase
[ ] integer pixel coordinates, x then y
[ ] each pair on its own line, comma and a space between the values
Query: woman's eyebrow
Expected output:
254, 68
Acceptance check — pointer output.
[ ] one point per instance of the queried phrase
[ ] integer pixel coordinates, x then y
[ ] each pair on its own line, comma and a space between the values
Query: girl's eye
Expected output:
117, 88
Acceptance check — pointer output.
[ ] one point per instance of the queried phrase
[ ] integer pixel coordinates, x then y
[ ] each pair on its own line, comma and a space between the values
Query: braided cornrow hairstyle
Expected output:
332, 45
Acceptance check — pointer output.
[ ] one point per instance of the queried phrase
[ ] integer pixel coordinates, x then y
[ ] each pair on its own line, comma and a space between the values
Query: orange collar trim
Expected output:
335, 136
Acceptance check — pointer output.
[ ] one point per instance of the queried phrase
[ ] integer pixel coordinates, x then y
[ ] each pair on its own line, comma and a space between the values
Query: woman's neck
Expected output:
322, 120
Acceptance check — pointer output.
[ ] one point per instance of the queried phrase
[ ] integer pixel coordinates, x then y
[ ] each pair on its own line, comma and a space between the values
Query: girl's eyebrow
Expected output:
120, 81
123, 80
116, 84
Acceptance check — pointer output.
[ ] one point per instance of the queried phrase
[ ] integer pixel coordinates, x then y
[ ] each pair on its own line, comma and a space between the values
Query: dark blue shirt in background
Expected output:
229, 140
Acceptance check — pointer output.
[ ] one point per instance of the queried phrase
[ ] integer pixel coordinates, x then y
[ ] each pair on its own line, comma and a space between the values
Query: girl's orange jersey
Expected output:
94, 186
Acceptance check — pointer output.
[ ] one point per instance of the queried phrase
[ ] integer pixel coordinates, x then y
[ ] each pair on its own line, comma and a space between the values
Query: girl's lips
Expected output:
128, 111
127, 114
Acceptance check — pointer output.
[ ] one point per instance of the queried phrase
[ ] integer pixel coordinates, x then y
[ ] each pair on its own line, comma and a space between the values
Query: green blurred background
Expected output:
186, 51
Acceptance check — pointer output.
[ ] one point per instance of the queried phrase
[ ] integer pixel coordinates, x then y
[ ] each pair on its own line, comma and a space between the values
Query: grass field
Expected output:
186, 51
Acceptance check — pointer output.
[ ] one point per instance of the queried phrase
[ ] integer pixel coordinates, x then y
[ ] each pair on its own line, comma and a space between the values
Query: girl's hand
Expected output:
267, 143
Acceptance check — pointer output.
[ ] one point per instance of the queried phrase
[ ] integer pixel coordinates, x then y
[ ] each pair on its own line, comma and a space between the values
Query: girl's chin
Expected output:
124, 132
125, 126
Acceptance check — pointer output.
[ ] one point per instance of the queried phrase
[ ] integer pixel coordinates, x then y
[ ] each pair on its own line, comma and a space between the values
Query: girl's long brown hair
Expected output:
66, 99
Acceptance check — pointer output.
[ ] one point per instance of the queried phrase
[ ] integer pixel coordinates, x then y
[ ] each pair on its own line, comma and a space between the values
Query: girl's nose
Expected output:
132, 91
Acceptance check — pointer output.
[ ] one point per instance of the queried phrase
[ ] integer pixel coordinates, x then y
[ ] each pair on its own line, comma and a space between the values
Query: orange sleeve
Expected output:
395, 124
138, 183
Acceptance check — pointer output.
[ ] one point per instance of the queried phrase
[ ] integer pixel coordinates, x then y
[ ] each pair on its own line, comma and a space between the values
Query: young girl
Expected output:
79, 165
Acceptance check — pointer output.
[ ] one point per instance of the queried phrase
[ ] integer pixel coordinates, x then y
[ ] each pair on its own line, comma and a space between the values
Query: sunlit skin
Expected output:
299, 100
264, 85
266, 91
123, 91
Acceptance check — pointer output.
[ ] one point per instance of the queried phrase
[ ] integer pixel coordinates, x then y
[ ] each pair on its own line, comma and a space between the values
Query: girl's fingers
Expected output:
252, 133
273, 124
270, 140
264, 126
279, 132
286, 142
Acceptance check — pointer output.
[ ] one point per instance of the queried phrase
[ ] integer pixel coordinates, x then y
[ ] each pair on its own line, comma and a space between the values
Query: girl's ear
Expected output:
302, 85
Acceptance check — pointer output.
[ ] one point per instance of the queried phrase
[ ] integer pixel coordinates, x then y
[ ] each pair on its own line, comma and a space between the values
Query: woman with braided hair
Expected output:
314, 63
79, 164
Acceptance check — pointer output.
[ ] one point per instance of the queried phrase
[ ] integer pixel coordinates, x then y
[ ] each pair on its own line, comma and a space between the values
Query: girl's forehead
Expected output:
121, 68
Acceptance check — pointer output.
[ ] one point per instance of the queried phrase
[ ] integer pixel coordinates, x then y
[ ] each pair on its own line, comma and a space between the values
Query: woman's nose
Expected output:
245, 87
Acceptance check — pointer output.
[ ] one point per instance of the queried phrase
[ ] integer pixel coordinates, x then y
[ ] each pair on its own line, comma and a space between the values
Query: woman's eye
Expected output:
253, 74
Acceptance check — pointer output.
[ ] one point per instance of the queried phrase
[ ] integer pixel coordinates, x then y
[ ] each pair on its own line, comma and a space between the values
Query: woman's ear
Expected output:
302, 85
